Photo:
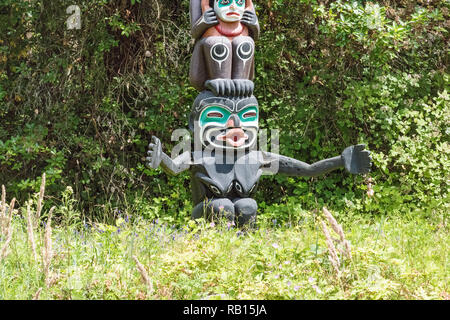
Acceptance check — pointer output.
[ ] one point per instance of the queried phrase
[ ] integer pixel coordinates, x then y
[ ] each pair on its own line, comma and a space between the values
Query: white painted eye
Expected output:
239, 187
245, 50
215, 190
219, 53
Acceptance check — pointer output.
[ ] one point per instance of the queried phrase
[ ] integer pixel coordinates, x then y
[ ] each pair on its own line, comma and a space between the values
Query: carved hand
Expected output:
210, 18
249, 18
251, 21
230, 87
356, 159
154, 153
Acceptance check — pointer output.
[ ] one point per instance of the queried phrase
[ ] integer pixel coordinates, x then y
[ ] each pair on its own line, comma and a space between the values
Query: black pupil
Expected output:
220, 50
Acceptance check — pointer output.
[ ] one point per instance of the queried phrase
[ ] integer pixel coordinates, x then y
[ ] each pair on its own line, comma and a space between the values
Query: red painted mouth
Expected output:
235, 137
233, 14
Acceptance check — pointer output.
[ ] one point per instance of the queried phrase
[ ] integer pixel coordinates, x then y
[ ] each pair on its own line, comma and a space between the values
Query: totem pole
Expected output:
225, 164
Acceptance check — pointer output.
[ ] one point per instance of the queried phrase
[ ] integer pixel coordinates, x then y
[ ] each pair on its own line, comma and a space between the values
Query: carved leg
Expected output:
245, 210
198, 73
218, 57
211, 60
220, 207
243, 57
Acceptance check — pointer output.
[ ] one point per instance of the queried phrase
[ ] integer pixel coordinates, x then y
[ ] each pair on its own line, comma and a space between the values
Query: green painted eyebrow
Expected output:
214, 114
249, 114
226, 3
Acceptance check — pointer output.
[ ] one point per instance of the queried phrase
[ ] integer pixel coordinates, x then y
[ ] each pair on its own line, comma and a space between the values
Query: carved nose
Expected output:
233, 121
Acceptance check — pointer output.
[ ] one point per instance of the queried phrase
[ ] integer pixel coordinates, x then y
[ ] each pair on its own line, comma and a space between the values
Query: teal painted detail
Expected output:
221, 115
214, 112
246, 114
227, 3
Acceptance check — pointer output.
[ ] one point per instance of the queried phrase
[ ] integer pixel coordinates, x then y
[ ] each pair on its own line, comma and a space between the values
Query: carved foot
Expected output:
231, 87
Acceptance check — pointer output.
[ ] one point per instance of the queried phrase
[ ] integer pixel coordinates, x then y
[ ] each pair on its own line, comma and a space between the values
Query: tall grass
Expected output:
391, 257
5, 221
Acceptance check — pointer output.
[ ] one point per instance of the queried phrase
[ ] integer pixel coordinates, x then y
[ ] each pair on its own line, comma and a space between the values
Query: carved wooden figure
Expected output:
224, 31
225, 164
224, 183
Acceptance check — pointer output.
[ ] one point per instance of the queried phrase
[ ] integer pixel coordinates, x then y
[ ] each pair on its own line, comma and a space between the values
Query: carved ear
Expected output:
248, 5
191, 121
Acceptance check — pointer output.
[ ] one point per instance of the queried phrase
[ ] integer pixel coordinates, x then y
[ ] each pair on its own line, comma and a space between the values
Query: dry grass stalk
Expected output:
41, 198
51, 281
348, 251
30, 231
10, 214
3, 211
9, 231
334, 259
338, 229
144, 274
36, 295
47, 252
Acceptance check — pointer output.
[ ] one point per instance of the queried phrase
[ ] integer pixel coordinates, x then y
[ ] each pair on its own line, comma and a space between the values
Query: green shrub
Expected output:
81, 105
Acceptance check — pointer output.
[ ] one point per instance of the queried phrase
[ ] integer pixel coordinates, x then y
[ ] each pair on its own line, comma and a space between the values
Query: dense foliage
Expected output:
396, 257
81, 105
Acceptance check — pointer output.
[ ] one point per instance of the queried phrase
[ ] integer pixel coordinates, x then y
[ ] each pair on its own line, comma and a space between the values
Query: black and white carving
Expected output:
220, 53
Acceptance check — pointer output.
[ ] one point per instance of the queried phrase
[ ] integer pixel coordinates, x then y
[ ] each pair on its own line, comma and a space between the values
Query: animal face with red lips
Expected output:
226, 123
229, 10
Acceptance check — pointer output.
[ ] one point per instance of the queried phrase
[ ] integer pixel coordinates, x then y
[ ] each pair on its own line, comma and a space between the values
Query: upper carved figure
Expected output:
228, 18
224, 51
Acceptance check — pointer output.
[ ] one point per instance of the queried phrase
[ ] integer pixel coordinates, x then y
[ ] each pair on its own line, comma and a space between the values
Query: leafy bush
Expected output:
81, 105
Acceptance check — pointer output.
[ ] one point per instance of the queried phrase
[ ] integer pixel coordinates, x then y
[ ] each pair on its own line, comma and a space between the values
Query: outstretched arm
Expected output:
293, 167
157, 157
355, 159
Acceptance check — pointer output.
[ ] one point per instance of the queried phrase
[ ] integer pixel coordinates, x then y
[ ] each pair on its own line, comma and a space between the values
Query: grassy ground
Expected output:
392, 257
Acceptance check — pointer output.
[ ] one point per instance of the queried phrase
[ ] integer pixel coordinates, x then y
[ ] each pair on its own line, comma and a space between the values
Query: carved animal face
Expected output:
225, 123
229, 10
